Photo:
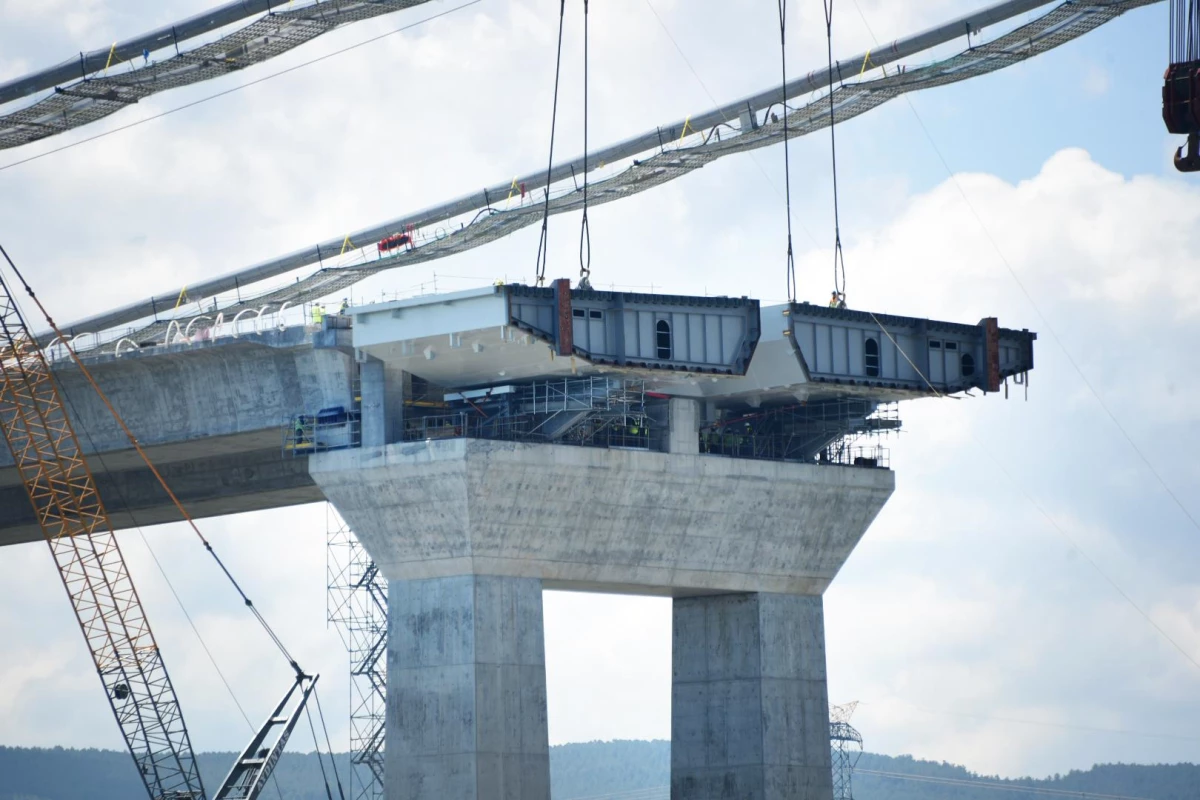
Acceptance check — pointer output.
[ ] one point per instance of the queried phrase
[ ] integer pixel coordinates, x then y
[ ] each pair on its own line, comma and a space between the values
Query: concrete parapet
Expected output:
609, 520
466, 706
749, 705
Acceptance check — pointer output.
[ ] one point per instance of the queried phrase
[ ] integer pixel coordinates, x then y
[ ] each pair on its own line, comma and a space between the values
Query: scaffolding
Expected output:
587, 412
328, 429
846, 745
843, 431
357, 606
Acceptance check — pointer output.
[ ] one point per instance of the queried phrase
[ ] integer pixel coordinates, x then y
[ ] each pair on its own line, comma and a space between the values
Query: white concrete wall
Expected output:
612, 520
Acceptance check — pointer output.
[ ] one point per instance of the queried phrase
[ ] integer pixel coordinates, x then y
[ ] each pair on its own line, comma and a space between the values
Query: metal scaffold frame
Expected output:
357, 606
588, 412
842, 431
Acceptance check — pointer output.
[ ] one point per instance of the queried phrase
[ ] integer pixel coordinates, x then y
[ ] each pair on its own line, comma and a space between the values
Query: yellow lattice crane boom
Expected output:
62, 490
46, 452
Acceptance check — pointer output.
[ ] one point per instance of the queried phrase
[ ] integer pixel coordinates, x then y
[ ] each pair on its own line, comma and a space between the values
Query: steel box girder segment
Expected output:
819, 79
250, 771
69, 510
997, 353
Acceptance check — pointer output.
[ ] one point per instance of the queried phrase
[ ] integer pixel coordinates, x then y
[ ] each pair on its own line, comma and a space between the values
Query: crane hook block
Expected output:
1181, 110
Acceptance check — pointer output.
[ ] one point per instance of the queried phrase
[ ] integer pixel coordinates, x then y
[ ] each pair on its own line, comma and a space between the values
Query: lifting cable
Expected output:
543, 245
1185, 31
585, 233
787, 170
87, 374
328, 747
839, 261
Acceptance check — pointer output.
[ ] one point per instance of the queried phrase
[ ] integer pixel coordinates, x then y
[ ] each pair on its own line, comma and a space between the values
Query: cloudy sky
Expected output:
1002, 610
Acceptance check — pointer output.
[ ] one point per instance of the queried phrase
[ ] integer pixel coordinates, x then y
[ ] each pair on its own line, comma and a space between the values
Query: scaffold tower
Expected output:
357, 606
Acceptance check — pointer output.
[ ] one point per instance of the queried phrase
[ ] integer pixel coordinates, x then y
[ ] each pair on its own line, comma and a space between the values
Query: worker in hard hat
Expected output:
344, 307
318, 314
837, 300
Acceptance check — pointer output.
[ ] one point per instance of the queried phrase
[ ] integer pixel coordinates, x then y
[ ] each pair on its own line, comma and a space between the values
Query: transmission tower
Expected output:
846, 744
357, 606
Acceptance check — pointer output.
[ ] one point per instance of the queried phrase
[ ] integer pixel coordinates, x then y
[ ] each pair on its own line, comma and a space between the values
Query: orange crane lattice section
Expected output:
69, 510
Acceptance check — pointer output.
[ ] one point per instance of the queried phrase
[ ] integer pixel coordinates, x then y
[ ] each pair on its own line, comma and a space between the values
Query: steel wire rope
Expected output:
317, 747
98, 457
1038, 506
96, 454
728, 120
543, 240
14, 337
1039, 790
585, 232
87, 374
787, 168
153, 555
1062, 346
328, 744
239, 87
1034, 723
839, 259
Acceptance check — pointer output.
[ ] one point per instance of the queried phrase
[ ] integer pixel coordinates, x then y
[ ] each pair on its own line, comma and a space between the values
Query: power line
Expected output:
233, 89
1033, 303
1004, 787
995, 461
728, 120
1036, 723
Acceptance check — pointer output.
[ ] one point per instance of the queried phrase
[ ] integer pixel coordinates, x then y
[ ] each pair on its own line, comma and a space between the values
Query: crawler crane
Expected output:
62, 490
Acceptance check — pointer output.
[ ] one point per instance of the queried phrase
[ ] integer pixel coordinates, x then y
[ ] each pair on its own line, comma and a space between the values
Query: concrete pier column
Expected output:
373, 407
382, 393
684, 433
749, 705
466, 708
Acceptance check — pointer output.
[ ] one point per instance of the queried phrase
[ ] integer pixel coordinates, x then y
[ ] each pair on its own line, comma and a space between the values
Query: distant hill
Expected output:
586, 770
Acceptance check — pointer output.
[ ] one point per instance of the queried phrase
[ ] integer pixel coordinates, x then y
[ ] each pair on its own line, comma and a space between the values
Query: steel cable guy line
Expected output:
585, 233
1002, 787
543, 242
714, 139
89, 98
787, 166
839, 286
133, 440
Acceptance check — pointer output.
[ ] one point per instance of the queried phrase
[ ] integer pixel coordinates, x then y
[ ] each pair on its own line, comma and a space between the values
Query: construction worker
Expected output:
298, 429
318, 314
837, 300
345, 306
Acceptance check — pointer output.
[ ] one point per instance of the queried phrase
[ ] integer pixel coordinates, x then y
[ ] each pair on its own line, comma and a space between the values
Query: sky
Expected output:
1028, 600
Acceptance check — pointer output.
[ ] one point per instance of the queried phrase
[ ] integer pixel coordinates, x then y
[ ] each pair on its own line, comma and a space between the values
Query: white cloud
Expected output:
961, 599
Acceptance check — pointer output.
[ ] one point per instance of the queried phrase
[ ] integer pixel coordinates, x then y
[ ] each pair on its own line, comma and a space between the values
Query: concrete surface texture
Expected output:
610, 520
211, 417
466, 706
749, 704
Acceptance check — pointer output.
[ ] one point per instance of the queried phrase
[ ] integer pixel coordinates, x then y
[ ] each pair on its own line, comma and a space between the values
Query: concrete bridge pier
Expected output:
466, 707
470, 531
749, 705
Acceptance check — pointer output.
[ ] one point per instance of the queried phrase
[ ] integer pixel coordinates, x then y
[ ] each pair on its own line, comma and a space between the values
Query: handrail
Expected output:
188, 330
122, 340
172, 324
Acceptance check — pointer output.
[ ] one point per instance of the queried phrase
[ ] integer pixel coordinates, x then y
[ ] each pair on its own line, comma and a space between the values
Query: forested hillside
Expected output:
590, 769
